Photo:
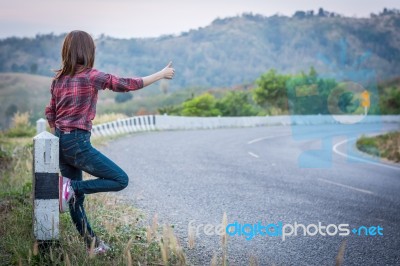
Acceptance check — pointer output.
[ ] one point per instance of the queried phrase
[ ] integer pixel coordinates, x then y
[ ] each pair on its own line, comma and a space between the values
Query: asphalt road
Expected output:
266, 174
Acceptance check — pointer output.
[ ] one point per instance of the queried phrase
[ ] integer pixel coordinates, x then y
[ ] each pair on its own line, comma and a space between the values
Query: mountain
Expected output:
234, 50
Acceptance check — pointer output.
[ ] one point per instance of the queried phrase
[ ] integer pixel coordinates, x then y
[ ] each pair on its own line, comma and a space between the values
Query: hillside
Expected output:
234, 50
31, 93
23, 93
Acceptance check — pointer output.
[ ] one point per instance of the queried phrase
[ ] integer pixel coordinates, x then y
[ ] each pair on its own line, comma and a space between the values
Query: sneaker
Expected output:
66, 193
101, 248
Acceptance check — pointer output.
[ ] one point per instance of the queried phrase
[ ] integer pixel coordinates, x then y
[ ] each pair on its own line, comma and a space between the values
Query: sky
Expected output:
153, 18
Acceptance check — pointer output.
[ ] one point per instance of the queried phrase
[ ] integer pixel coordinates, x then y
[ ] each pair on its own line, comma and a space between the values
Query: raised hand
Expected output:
168, 71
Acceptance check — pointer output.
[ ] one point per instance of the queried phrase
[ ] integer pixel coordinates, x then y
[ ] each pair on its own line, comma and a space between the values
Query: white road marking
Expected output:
335, 149
253, 154
346, 186
269, 137
261, 139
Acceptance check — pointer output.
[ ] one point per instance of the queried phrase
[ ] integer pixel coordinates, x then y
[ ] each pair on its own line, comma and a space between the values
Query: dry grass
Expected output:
20, 119
253, 261
191, 237
26, 93
115, 222
340, 255
20, 126
105, 118
386, 146
224, 240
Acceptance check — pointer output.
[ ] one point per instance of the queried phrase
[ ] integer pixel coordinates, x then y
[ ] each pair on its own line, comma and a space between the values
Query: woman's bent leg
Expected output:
110, 176
76, 207
79, 153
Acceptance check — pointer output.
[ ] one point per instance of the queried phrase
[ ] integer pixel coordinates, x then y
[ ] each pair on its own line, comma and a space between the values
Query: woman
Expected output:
70, 113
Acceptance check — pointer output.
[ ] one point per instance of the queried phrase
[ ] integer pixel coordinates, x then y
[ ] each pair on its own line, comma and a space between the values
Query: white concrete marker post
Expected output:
40, 125
45, 187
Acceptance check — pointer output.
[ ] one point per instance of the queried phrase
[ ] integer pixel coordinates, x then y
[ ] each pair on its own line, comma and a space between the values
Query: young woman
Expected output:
70, 113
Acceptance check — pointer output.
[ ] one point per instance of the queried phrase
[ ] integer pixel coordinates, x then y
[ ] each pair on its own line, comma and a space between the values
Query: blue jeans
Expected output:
77, 155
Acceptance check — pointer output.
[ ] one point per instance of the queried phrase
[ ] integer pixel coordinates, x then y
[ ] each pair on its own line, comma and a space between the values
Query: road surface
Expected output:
268, 175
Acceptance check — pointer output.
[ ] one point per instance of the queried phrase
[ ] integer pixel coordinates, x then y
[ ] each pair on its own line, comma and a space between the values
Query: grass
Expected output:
385, 146
23, 93
110, 117
113, 220
20, 126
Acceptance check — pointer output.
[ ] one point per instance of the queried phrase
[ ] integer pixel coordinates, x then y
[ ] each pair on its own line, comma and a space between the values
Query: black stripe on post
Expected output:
46, 185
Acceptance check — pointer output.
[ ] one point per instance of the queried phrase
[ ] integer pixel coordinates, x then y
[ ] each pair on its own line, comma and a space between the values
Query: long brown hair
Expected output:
77, 53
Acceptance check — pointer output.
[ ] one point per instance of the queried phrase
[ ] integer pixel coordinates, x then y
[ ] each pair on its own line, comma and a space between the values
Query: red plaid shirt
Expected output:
73, 99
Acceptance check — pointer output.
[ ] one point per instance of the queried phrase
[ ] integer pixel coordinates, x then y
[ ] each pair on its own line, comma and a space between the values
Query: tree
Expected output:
123, 97
164, 86
389, 99
142, 111
346, 102
299, 14
203, 105
9, 113
321, 12
170, 110
308, 94
34, 68
271, 90
235, 103
11, 110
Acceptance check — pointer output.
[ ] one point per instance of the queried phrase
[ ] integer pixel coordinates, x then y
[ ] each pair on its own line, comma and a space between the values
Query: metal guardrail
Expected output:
165, 122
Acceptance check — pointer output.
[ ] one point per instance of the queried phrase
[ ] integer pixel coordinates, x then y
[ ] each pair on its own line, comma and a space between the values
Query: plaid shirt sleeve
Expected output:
101, 81
50, 111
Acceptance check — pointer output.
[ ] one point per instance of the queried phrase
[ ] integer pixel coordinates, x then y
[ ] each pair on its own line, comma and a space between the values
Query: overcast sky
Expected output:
152, 18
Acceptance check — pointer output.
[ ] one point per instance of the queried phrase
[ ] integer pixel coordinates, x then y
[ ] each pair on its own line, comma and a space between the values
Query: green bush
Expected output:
123, 97
271, 90
236, 103
21, 126
385, 146
368, 145
389, 100
203, 105
22, 131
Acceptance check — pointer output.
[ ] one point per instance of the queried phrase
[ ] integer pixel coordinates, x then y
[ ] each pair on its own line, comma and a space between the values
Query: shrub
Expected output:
123, 97
386, 146
368, 145
203, 105
21, 126
110, 117
236, 103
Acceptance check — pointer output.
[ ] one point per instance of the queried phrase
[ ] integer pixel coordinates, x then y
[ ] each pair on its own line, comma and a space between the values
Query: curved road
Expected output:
268, 174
